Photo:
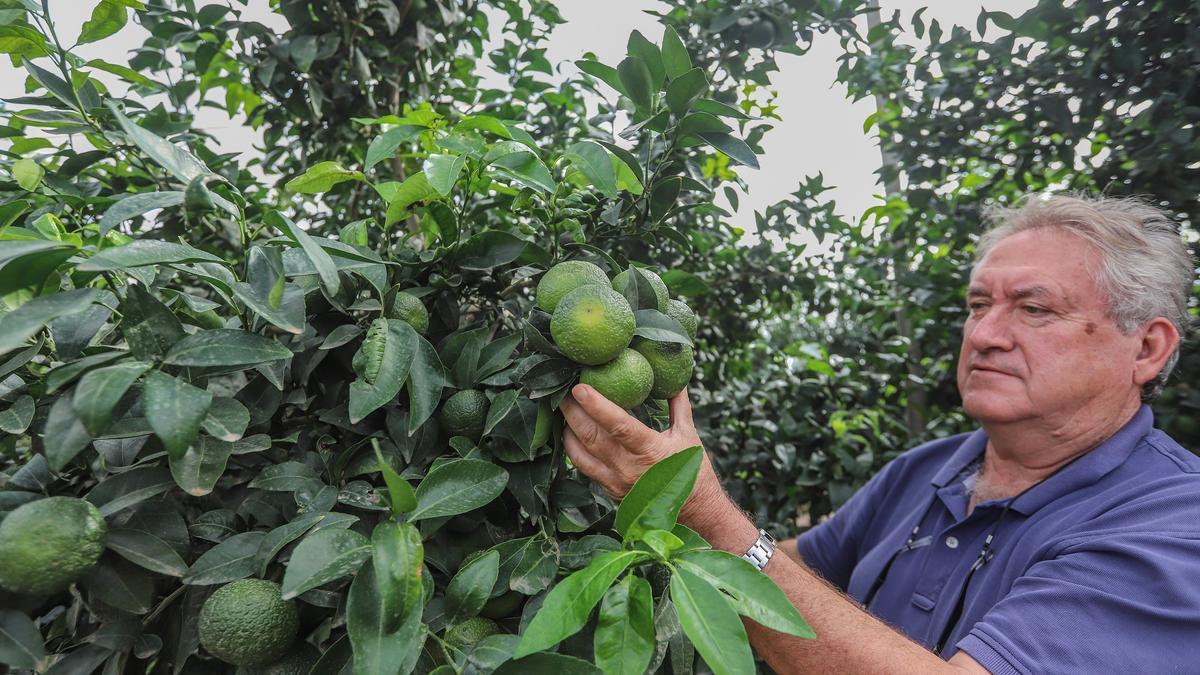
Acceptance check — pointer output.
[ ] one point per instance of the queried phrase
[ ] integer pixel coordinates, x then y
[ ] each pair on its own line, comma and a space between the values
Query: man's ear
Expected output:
1160, 338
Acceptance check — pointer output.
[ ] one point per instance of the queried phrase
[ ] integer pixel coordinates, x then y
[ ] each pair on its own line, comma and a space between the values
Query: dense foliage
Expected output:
245, 389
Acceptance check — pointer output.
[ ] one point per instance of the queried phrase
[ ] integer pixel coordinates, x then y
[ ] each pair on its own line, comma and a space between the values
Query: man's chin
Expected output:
992, 409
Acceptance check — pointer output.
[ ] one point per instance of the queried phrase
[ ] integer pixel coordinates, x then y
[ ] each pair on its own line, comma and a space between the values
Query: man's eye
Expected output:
1035, 310
976, 306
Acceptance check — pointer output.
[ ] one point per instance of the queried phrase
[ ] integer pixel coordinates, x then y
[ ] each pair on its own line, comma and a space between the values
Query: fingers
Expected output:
580, 422
614, 421
580, 456
681, 412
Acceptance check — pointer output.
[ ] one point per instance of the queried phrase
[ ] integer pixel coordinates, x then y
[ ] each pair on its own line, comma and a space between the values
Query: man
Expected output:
1062, 536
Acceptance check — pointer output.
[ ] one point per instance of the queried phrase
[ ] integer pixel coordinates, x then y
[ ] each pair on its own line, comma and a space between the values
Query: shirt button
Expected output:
951, 542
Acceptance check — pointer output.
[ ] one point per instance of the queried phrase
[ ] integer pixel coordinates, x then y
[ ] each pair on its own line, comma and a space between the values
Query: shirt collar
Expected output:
1088, 469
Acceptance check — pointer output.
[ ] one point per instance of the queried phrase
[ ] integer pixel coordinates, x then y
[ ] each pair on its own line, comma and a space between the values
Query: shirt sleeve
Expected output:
1124, 603
832, 548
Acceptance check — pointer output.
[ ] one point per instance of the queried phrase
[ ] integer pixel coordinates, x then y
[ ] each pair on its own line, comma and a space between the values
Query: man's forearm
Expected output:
848, 638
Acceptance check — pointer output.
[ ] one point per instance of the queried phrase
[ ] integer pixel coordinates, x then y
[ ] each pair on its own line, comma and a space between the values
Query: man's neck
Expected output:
1021, 454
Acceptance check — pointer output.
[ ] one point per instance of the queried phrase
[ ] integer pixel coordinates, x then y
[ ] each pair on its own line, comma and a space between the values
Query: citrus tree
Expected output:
241, 438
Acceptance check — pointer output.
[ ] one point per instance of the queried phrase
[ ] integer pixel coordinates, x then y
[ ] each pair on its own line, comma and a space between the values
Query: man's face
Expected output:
1038, 343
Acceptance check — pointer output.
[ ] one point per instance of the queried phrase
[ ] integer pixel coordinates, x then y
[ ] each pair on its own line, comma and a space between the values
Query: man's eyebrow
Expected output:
1018, 294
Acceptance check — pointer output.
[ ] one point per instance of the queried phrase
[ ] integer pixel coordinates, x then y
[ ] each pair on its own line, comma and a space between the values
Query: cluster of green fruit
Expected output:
593, 324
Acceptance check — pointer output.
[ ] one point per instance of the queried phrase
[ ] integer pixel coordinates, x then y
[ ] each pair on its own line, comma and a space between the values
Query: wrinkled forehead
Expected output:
1041, 261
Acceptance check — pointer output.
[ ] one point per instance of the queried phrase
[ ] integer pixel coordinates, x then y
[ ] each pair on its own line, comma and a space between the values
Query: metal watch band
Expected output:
762, 550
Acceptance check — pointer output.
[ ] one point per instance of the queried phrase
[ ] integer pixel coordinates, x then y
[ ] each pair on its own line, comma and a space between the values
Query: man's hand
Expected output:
614, 449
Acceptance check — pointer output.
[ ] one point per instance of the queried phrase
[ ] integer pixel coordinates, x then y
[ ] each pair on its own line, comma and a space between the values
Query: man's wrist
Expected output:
712, 514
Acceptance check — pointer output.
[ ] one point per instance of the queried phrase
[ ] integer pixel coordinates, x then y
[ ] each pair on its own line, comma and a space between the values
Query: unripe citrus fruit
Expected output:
564, 278
47, 544
592, 324
626, 380
464, 414
672, 364
410, 310
248, 623
679, 311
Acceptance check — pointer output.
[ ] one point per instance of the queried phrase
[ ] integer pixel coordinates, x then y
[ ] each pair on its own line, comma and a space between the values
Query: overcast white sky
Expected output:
821, 129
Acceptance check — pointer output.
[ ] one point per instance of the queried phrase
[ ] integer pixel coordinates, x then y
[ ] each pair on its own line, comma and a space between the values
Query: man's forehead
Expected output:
1018, 291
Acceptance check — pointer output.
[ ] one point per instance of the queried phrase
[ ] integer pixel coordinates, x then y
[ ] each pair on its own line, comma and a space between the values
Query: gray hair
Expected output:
1146, 271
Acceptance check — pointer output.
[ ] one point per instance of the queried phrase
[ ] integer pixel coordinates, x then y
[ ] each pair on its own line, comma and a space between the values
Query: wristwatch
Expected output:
762, 550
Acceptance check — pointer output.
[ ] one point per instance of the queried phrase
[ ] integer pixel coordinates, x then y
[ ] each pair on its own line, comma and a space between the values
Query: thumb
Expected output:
681, 413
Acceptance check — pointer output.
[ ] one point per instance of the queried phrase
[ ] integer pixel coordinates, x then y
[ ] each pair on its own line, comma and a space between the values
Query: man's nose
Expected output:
991, 330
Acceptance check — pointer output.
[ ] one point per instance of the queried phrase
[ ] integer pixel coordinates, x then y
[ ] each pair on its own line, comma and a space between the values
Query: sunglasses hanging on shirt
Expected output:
985, 555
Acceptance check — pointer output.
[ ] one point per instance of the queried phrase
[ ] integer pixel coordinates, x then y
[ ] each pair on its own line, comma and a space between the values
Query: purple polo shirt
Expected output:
1095, 569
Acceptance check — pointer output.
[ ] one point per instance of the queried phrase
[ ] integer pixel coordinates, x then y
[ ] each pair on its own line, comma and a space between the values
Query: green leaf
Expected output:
547, 663
317, 255
146, 550
719, 109
489, 249
143, 252
396, 559
323, 556
15, 420
286, 477
400, 348
286, 313
400, 196
285, 534
108, 17
197, 470
321, 177
674, 54
635, 79
458, 486
23, 322
52, 82
625, 639
526, 169
471, 587
27, 173
149, 327
123, 490
685, 89
682, 282
124, 72
702, 122
734, 147
663, 197
384, 145
442, 171
227, 419
654, 325
401, 497
64, 435
136, 205
379, 648
99, 391
225, 347
229, 560
647, 51
22, 41
655, 499
711, 624
426, 379
593, 161
754, 594
174, 410
606, 74
499, 408
20, 642
177, 161
569, 604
